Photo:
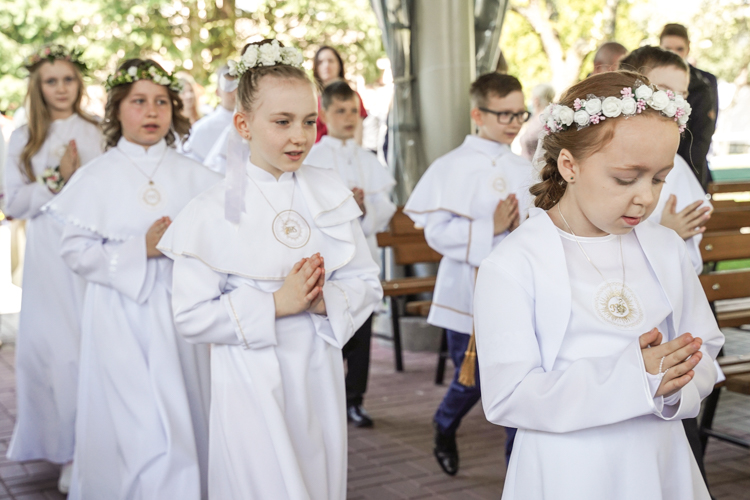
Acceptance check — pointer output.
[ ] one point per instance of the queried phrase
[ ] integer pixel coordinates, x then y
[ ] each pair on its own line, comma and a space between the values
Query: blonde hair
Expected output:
39, 117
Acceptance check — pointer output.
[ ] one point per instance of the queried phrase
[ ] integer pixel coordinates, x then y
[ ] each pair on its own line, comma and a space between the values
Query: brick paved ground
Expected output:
394, 460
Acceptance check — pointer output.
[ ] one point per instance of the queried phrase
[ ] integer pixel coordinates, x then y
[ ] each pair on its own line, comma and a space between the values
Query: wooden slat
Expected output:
728, 187
725, 246
408, 286
733, 360
725, 285
736, 370
401, 224
728, 219
740, 383
733, 319
419, 308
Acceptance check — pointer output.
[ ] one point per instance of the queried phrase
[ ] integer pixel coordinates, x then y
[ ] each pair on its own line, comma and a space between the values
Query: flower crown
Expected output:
592, 110
56, 52
144, 71
268, 54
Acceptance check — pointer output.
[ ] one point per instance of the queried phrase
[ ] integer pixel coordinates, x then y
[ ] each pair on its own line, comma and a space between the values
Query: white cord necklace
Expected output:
150, 194
492, 159
293, 230
622, 259
360, 177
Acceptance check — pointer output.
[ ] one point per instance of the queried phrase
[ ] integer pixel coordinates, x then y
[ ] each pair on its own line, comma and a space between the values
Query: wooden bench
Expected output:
409, 248
727, 239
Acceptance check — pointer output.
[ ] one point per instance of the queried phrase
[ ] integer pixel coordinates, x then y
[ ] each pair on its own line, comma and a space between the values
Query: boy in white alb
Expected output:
371, 184
467, 202
207, 130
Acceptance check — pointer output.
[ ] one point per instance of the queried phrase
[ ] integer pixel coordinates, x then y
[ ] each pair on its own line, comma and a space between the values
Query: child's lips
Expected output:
294, 155
151, 127
632, 221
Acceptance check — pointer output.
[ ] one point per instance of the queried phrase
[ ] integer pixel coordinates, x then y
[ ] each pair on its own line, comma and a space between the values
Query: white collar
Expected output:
261, 175
137, 152
337, 144
485, 146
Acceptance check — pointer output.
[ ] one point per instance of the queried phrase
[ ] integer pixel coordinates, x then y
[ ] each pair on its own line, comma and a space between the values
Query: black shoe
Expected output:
446, 452
358, 415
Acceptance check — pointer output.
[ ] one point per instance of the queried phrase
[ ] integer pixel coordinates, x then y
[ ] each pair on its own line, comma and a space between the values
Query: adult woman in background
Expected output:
328, 67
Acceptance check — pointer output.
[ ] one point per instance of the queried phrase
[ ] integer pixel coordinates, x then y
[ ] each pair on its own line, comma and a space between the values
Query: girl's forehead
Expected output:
277, 95
56, 68
149, 88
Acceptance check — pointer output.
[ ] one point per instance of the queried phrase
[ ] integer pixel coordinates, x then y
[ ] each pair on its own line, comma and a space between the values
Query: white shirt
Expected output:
454, 202
206, 131
359, 168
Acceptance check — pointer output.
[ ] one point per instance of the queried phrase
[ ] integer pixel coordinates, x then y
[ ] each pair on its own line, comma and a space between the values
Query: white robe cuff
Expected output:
253, 314
338, 326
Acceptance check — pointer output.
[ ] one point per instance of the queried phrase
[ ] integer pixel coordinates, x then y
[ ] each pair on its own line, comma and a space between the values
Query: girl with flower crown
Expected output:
594, 337
43, 156
682, 205
143, 400
271, 267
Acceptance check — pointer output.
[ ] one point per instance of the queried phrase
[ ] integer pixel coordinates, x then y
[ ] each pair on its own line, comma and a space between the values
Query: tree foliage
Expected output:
192, 35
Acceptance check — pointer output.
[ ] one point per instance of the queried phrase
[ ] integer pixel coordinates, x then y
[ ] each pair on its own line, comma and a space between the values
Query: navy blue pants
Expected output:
460, 399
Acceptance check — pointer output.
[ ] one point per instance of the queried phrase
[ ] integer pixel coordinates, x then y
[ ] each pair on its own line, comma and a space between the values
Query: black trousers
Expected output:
357, 355
694, 438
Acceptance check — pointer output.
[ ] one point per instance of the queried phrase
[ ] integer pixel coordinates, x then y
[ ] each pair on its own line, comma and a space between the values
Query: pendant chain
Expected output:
493, 160
361, 176
289, 215
622, 259
149, 177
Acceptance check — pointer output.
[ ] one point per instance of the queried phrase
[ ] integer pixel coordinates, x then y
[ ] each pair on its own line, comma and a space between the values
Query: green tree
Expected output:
720, 39
193, 35
554, 40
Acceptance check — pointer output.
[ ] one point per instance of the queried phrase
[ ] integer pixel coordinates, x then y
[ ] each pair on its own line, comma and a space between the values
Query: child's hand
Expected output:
672, 358
70, 161
359, 197
687, 223
300, 288
318, 306
505, 214
154, 234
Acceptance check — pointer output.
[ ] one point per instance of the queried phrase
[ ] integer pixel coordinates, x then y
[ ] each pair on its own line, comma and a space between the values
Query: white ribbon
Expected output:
228, 85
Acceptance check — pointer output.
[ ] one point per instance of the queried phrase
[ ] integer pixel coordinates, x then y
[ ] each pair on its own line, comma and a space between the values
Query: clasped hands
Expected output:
676, 359
302, 289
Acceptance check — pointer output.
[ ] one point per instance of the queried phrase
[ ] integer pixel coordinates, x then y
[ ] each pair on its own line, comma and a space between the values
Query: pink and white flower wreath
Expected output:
592, 110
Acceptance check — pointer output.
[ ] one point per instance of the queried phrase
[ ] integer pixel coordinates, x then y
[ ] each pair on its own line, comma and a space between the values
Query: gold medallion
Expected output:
498, 184
150, 195
291, 229
618, 305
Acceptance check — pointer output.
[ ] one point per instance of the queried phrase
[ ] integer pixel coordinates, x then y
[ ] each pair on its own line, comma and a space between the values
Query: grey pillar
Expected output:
444, 68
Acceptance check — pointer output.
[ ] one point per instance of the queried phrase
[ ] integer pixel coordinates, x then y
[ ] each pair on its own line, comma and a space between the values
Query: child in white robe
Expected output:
272, 269
562, 304
43, 155
207, 130
467, 202
682, 204
144, 392
371, 184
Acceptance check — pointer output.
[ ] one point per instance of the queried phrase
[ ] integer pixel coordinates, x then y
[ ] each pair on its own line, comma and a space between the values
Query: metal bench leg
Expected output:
398, 356
442, 356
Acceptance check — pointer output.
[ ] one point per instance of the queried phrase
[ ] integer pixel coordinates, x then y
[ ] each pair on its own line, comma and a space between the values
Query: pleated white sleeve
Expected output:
121, 265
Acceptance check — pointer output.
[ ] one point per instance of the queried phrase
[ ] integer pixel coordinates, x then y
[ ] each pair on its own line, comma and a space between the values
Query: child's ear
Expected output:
242, 124
322, 115
567, 165
476, 115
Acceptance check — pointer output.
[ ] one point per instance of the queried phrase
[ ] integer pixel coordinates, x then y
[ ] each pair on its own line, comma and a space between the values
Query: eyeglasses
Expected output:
506, 117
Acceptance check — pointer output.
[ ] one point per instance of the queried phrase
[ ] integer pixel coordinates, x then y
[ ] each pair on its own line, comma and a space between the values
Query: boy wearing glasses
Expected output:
468, 201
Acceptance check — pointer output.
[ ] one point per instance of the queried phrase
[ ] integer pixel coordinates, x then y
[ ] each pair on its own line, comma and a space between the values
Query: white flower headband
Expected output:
268, 54
592, 110
143, 71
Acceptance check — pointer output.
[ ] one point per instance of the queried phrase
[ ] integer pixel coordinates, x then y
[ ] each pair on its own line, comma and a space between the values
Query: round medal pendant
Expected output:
291, 229
498, 184
618, 305
150, 196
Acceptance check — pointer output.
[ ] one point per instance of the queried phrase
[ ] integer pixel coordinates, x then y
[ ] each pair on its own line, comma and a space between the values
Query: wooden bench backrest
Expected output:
729, 245
408, 243
730, 195
729, 219
728, 187
726, 285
